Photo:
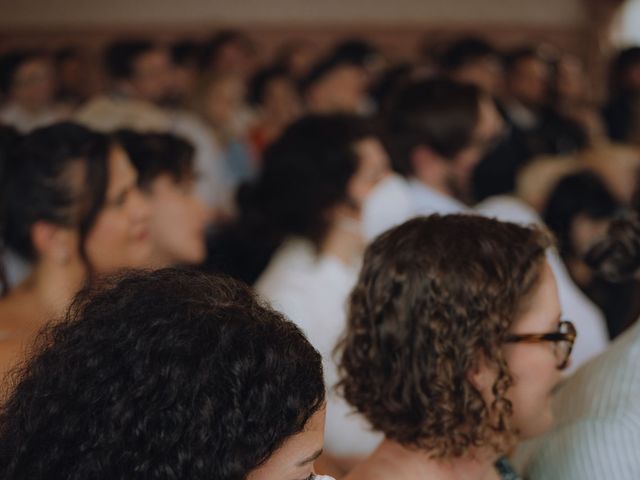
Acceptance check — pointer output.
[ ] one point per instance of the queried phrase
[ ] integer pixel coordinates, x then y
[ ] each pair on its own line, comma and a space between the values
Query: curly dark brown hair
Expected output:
160, 375
435, 295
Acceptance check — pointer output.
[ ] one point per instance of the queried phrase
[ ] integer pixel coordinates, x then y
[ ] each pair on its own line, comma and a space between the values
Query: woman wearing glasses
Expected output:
453, 346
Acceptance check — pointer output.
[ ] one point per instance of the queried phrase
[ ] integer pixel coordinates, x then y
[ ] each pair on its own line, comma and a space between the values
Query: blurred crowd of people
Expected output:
282, 174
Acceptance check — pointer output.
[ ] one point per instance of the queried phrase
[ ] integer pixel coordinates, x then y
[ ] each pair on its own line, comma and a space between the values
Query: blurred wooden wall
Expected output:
399, 27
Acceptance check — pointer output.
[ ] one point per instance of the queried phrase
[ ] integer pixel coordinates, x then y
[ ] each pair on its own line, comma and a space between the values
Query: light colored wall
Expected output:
58, 13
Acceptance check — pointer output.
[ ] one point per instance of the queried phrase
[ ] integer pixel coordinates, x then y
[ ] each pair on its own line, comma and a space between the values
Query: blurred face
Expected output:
571, 83
224, 98
151, 79
236, 58
177, 223
294, 460
372, 169
120, 236
534, 365
485, 73
281, 100
301, 60
184, 79
529, 82
487, 130
33, 84
342, 90
72, 75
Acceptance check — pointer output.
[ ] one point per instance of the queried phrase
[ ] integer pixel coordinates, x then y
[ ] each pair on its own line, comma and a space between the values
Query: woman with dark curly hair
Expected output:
167, 375
453, 345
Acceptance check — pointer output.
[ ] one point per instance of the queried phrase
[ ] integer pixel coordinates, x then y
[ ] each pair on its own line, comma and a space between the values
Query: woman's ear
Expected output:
53, 242
482, 376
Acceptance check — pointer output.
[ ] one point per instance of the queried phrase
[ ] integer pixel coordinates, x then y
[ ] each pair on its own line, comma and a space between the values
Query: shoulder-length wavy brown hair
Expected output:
436, 295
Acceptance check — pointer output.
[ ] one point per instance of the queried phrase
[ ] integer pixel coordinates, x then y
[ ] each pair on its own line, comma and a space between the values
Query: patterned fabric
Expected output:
506, 471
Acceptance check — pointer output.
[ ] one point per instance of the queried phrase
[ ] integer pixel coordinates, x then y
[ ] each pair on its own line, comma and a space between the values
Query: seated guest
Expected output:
219, 99
474, 60
533, 124
141, 76
229, 52
73, 77
439, 129
335, 84
574, 100
273, 95
297, 56
529, 108
598, 430
620, 112
185, 72
71, 208
579, 211
167, 178
27, 79
453, 344
302, 220
168, 374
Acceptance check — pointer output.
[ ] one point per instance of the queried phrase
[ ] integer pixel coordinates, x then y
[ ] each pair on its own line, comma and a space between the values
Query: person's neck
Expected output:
440, 187
162, 259
418, 464
52, 287
344, 242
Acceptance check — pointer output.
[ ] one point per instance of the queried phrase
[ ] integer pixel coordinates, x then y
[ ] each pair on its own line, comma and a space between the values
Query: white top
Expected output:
312, 291
427, 201
24, 121
389, 204
590, 323
597, 411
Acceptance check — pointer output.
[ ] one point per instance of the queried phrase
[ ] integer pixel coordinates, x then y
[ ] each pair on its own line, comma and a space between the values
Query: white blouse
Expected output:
312, 291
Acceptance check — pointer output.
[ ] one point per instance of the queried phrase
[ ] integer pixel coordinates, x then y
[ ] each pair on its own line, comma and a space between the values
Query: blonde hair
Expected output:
618, 166
535, 181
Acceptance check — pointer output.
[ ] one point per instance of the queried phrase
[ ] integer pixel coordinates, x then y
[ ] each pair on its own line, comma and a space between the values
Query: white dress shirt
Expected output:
312, 291
24, 121
427, 201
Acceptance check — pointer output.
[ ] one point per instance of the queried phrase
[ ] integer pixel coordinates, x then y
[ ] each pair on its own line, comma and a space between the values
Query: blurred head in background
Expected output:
166, 176
140, 70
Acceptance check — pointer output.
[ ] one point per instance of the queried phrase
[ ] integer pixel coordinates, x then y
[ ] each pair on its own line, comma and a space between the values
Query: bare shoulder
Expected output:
12, 356
16, 334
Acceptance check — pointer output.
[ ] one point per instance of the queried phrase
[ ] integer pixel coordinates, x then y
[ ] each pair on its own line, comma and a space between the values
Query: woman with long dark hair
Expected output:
71, 208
